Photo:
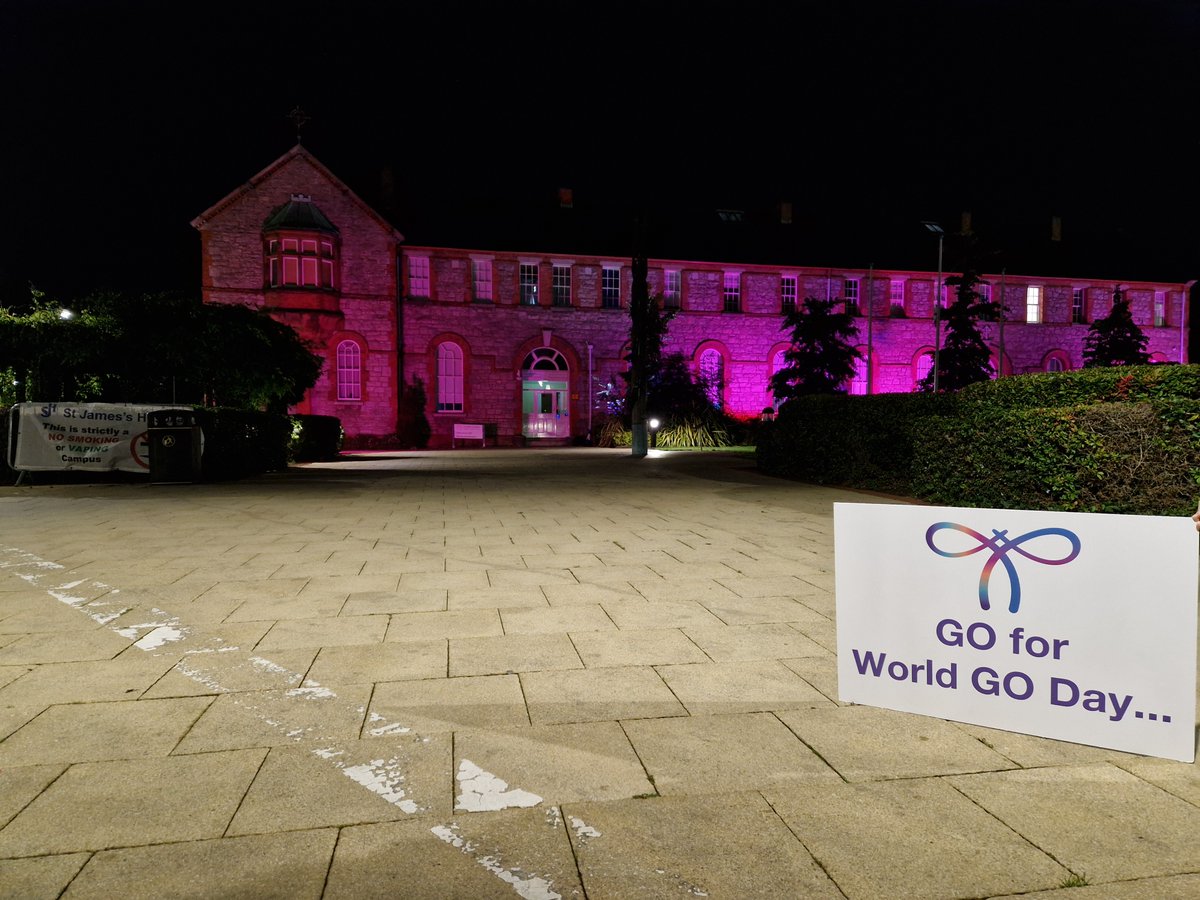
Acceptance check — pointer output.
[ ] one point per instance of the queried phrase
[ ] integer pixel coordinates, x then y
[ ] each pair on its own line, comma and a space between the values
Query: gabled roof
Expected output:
297, 151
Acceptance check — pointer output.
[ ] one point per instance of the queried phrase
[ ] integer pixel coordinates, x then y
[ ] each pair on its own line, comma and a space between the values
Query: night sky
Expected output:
124, 120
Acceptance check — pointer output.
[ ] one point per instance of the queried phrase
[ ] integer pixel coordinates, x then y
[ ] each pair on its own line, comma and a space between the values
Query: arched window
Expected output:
1054, 364
545, 358
349, 371
449, 377
924, 367
712, 375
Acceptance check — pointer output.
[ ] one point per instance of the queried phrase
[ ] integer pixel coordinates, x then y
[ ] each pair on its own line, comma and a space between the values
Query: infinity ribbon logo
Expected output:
1000, 546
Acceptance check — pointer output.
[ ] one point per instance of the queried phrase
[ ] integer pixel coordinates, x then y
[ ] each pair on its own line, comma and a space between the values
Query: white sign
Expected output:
1075, 626
81, 436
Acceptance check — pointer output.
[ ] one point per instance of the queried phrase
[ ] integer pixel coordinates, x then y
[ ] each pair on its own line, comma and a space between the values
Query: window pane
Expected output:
349, 371
449, 378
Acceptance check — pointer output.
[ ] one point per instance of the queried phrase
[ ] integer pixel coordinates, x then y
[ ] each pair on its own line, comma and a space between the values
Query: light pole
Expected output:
937, 305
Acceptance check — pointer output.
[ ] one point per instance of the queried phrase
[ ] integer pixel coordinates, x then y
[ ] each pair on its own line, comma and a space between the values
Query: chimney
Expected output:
566, 198
965, 227
785, 212
1056, 228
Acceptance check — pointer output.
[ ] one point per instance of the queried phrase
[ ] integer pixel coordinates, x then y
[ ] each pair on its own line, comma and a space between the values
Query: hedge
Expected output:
1121, 440
315, 438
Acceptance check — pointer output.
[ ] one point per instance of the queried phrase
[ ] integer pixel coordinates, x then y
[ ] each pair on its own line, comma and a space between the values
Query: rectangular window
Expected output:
1160, 309
327, 273
562, 285
787, 293
850, 295
307, 246
308, 271
327, 249
274, 271
528, 284
1033, 303
1077, 314
672, 290
731, 291
481, 279
896, 296
610, 288
290, 245
985, 292
418, 276
291, 269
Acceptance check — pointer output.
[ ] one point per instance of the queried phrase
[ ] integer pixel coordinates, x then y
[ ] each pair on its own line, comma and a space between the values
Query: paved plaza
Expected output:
493, 673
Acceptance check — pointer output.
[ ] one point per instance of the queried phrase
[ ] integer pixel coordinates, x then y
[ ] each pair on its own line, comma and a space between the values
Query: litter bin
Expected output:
174, 436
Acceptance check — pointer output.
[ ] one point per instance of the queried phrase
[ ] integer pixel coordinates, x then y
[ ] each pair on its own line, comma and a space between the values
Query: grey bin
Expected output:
175, 443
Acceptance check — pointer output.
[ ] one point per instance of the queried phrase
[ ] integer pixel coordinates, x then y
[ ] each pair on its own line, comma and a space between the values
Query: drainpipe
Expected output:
591, 400
1183, 311
870, 322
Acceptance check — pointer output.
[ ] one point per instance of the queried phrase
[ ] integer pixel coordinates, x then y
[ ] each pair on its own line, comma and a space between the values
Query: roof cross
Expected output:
299, 117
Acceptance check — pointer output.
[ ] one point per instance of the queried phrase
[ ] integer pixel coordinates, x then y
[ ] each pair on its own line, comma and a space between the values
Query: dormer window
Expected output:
300, 246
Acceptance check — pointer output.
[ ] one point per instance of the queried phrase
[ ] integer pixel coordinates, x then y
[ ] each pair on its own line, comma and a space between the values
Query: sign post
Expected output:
1075, 626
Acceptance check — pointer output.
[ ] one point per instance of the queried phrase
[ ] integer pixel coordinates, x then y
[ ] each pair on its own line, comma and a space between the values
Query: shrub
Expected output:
239, 443
315, 438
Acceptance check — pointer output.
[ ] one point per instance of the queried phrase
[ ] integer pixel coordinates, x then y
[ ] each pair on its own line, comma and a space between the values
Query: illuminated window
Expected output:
850, 295
349, 371
481, 279
787, 293
528, 277
1077, 309
561, 277
297, 254
672, 290
449, 377
1033, 303
712, 376
924, 367
858, 383
418, 276
610, 288
985, 292
1054, 364
1160, 309
896, 296
731, 292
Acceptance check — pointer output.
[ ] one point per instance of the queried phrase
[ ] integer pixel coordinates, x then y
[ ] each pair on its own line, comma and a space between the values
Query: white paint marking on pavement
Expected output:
484, 791
582, 830
481, 790
531, 888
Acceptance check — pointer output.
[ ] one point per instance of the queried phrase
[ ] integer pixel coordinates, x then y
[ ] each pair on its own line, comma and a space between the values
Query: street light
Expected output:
937, 304
654, 423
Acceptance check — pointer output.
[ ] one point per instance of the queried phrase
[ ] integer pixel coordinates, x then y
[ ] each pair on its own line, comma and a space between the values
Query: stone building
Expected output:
521, 340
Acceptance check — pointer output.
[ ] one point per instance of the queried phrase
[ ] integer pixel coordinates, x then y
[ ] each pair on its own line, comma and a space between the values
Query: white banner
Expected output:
1074, 626
81, 436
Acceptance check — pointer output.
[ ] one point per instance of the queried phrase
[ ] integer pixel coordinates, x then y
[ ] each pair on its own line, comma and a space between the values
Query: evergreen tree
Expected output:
964, 358
821, 358
1116, 339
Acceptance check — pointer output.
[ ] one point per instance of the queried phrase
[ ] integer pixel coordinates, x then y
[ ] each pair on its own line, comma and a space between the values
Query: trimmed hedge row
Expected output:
1107, 440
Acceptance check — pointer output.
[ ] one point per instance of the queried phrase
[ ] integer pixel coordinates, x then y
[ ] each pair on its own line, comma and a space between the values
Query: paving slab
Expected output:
233, 671
500, 855
596, 695
577, 617
370, 663
556, 763
129, 802
88, 732
422, 626
39, 877
667, 847
659, 614
364, 603
84, 682
512, 653
720, 754
636, 647
379, 779
448, 704
762, 611
342, 631
1178, 887
1097, 820
19, 785
738, 687
266, 867
911, 838
863, 743
739, 642
274, 718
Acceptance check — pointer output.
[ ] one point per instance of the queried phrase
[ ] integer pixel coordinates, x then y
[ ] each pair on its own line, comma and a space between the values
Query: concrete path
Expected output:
494, 673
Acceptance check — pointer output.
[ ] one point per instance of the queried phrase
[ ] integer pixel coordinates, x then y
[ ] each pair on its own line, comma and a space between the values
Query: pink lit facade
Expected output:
522, 341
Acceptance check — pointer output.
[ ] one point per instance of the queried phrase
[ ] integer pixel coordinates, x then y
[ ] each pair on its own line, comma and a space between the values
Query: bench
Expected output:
467, 433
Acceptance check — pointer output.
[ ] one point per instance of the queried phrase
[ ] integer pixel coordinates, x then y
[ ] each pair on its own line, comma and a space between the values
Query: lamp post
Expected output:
935, 228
